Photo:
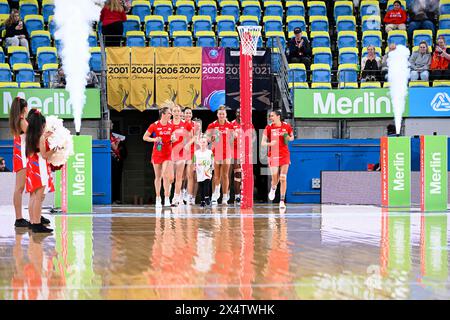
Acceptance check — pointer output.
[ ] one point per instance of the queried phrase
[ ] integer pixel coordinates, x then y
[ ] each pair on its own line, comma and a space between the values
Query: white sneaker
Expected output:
214, 203
158, 202
166, 202
176, 200
225, 199
185, 197
282, 205
191, 200
272, 193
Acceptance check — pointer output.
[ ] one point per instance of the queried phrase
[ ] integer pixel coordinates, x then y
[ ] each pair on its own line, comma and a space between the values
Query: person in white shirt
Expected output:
204, 166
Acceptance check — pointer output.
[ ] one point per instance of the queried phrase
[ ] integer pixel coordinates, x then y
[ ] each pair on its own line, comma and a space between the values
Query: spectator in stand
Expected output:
112, 17
91, 80
420, 63
370, 65
440, 61
16, 32
422, 17
384, 65
3, 167
395, 19
299, 49
60, 79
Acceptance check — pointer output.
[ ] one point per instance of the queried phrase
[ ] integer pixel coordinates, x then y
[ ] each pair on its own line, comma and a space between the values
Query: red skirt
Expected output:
19, 156
38, 174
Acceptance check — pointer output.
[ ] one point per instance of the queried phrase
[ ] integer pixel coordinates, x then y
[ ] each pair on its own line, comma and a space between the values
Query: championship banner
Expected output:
395, 161
189, 77
166, 74
433, 173
213, 78
142, 77
262, 84
118, 75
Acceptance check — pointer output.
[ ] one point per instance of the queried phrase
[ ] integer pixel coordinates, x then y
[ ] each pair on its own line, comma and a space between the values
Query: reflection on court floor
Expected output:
306, 252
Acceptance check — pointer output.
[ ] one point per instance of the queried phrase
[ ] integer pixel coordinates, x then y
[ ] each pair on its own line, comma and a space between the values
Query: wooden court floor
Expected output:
305, 252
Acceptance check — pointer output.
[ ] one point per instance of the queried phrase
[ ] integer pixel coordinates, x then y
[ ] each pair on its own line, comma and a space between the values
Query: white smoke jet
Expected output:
398, 76
74, 21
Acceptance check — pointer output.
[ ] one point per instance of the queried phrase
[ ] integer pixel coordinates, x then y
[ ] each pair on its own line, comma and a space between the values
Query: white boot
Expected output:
225, 198
166, 202
158, 202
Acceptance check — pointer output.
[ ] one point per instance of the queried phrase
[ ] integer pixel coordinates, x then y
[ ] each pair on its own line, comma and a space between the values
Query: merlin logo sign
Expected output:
395, 171
441, 102
433, 173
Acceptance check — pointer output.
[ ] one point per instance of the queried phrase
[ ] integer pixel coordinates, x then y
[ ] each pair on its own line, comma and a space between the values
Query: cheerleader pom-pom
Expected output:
60, 140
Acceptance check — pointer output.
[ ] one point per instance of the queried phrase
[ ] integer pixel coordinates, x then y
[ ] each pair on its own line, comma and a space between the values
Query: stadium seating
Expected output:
317, 8
348, 55
182, 39
399, 37
251, 8
441, 83
46, 55
346, 23
347, 39
370, 85
4, 7
444, 7
445, 33
318, 23
133, 23
5, 73
206, 39
225, 23
34, 22
201, 23
422, 35
230, 8
9, 85
297, 72
248, 21
186, 8
2, 55
322, 55
49, 72
348, 72
48, 9
295, 9
343, 8
23, 72
229, 39
390, 5
419, 84
140, 9
369, 8
321, 73
320, 85
271, 39
18, 54
177, 23
28, 7
39, 38
295, 22
51, 26
208, 8
273, 8
298, 85
444, 21
371, 23
371, 38
153, 23
93, 41
95, 61
30, 85
377, 51
320, 39
273, 23
348, 85
135, 39
158, 39
163, 8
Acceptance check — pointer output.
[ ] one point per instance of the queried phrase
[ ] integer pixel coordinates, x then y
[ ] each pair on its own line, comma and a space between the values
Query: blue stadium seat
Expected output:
140, 9
422, 35
370, 85
30, 85
297, 85
133, 23
343, 8
28, 7
153, 23
273, 23
23, 72
9, 85
18, 54
276, 60
230, 8
182, 39
229, 39
295, 8
95, 61
390, 5
186, 8
371, 38
444, 7
93, 41
208, 8
201, 23
273, 8
206, 39
271, 39
135, 39
371, 23
158, 39
46, 55
48, 9
177, 23
444, 21
5, 73
348, 72
348, 55
225, 23
39, 38
163, 8
4, 7
347, 39
323, 55
320, 85
399, 37
295, 22
51, 26
346, 23
317, 8
2, 55
248, 21
251, 8
321, 73
34, 22
318, 23
297, 72
49, 72
445, 33
419, 84
348, 85
320, 39
377, 52
369, 8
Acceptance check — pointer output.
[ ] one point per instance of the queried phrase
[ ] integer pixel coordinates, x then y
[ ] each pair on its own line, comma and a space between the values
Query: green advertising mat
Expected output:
344, 103
433, 173
50, 102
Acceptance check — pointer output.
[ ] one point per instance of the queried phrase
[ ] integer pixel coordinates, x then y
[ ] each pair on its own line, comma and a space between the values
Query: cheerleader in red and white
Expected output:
220, 133
18, 126
160, 132
182, 135
39, 177
276, 136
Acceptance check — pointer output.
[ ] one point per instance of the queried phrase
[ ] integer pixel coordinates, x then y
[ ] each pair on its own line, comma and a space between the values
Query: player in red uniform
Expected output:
276, 136
220, 133
189, 180
39, 177
160, 132
181, 150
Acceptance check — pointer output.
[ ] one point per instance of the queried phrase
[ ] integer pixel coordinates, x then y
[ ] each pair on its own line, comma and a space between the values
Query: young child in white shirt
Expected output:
204, 164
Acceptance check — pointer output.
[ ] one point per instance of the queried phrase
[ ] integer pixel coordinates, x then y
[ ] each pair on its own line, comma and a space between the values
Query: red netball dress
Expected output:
237, 128
191, 153
162, 151
182, 132
221, 147
39, 174
279, 153
19, 156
